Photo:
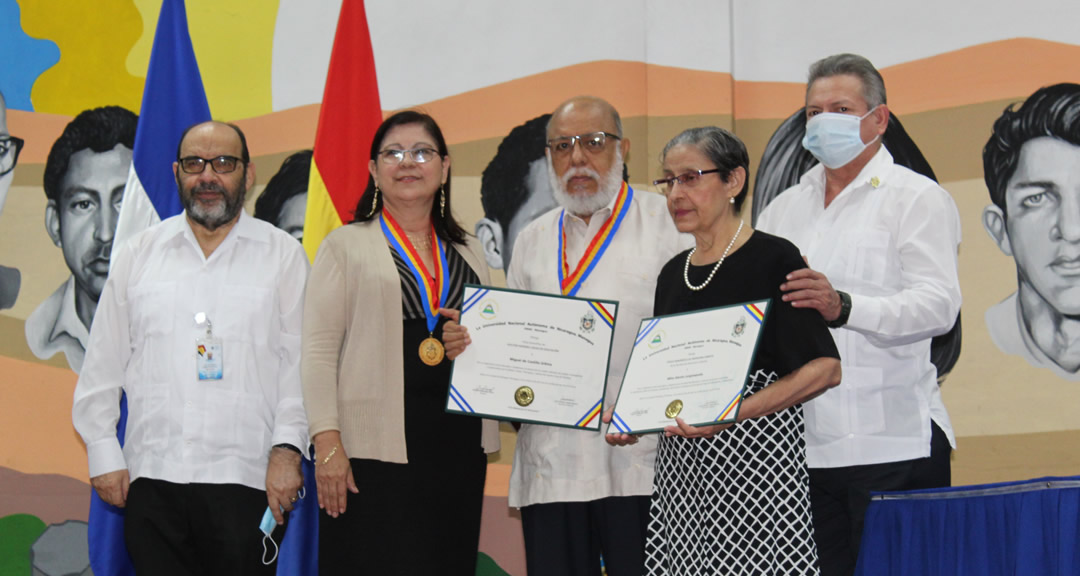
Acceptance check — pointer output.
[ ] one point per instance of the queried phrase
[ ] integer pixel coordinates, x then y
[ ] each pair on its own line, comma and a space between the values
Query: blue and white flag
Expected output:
173, 100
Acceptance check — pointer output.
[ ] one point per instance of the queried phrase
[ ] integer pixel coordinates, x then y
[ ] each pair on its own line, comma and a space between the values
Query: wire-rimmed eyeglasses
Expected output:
394, 157
689, 179
593, 142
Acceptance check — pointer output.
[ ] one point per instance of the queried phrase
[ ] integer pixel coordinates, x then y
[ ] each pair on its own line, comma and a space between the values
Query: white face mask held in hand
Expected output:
267, 525
834, 138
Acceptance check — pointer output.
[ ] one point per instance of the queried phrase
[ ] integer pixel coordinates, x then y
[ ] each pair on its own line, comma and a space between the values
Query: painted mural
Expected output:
990, 97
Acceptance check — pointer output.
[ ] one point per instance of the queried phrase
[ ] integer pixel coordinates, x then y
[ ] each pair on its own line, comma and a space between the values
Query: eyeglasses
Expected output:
593, 143
9, 153
689, 179
221, 164
418, 155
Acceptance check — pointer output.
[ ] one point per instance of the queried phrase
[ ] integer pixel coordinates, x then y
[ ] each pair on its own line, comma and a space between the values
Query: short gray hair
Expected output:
594, 101
722, 148
852, 65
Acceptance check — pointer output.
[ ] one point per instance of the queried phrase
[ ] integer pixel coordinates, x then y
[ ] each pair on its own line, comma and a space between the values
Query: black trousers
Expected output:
839, 498
196, 529
568, 538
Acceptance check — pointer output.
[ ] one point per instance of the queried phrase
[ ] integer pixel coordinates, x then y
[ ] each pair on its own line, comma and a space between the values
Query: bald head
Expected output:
214, 127
588, 106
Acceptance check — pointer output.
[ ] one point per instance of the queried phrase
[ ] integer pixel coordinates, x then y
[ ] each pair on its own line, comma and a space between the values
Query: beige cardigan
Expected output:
352, 366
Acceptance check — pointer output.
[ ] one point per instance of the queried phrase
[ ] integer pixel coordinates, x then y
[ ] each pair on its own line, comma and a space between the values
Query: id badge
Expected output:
208, 359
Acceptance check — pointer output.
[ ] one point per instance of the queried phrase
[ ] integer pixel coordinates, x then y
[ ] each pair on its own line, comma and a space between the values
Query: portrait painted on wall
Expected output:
283, 202
1031, 165
785, 161
10, 146
85, 175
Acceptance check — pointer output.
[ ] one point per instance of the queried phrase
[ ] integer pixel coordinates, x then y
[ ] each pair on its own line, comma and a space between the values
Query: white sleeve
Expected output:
929, 298
290, 420
96, 407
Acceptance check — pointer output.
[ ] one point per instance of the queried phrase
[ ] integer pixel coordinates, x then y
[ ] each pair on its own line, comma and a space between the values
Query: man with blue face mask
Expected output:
881, 242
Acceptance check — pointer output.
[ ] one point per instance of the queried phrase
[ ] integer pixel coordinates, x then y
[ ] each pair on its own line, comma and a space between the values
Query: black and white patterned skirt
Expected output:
737, 503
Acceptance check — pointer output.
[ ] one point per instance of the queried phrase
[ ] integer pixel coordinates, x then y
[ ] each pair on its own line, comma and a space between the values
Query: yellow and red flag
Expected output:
349, 117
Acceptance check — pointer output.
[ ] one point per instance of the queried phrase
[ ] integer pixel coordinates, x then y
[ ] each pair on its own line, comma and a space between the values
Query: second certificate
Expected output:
533, 358
691, 366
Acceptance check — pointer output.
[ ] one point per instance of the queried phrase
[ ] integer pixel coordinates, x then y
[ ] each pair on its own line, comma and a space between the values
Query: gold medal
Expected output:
673, 409
431, 351
524, 396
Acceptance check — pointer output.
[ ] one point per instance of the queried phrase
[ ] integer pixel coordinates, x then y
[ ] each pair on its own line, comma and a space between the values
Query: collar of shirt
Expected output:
67, 319
874, 174
180, 227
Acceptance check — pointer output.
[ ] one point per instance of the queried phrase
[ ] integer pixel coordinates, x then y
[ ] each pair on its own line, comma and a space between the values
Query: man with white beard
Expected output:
579, 497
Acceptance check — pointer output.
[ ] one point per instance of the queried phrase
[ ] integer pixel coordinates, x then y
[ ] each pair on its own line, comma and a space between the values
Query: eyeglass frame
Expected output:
6, 142
385, 155
575, 139
668, 184
210, 161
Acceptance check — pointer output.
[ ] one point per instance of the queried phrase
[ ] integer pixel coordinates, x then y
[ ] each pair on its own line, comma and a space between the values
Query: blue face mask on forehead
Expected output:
834, 139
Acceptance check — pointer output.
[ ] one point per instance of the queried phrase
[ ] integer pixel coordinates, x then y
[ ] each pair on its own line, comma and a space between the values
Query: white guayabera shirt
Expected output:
554, 464
182, 429
890, 240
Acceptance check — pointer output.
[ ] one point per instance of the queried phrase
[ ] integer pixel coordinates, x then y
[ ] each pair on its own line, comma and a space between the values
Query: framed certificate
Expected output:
692, 365
536, 358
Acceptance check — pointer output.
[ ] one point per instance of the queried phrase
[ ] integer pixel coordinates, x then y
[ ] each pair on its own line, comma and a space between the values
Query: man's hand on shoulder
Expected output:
112, 487
283, 481
807, 288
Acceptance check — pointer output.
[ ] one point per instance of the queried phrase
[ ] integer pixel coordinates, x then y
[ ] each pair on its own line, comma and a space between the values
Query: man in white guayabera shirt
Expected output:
580, 497
199, 323
881, 242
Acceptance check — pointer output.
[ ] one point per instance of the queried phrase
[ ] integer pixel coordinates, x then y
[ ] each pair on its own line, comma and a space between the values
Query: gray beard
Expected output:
608, 186
213, 218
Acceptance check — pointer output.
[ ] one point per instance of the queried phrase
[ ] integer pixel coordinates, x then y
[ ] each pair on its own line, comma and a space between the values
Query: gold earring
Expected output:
374, 201
442, 201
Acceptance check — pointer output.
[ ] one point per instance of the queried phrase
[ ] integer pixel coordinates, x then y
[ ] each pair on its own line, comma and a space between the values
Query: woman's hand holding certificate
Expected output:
688, 370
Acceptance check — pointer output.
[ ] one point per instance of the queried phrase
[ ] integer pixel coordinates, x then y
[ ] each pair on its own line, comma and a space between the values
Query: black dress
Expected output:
422, 517
738, 503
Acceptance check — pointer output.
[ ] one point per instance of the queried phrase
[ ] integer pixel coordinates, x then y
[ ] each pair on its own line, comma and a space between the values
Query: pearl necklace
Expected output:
686, 269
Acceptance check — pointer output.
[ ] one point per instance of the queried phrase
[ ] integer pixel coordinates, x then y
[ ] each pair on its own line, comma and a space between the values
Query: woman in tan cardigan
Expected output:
400, 480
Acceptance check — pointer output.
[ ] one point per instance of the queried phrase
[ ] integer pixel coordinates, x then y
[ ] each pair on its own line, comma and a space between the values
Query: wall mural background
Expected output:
488, 71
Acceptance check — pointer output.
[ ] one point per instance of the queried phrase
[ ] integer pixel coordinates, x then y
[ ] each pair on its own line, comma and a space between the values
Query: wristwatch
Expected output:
845, 310
289, 447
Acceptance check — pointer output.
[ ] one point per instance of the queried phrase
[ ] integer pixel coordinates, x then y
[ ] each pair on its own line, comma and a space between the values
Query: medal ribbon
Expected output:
571, 282
433, 289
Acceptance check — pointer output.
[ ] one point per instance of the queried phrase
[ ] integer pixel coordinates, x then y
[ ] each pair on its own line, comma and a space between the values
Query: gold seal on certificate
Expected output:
431, 351
673, 409
524, 396
533, 358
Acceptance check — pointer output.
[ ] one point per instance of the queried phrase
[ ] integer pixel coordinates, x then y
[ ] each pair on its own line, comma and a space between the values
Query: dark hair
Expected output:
100, 130
445, 226
722, 148
1052, 111
851, 65
245, 156
785, 160
504, 185
291, 180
